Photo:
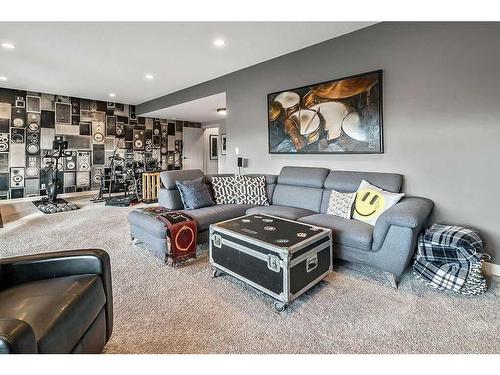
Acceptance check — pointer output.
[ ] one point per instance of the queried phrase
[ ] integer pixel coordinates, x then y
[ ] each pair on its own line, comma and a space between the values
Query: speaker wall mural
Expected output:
29, 121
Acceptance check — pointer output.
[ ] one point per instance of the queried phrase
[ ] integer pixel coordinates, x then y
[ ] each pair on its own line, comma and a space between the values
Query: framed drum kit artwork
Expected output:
336, 117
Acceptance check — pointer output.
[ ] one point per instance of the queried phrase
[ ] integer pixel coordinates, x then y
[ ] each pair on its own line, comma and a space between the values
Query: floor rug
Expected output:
161, 309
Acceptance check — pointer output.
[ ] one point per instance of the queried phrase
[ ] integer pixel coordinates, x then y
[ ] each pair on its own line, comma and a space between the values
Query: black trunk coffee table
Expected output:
282, 258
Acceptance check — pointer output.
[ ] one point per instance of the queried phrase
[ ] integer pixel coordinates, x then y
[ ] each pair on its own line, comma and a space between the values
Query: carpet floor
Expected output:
159, 309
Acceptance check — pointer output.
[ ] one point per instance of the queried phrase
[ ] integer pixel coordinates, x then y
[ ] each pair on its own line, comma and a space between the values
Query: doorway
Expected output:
193, 146
211, 150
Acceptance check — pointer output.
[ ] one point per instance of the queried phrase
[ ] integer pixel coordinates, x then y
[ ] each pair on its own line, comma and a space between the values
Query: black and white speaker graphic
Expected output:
98, 131
70, 162
32, 143
33, 122
17, 135
120, 129
32, 170
138, 139
83, 161
4, 142
33, 103
16, 177
96, 177
18, 117
148, 145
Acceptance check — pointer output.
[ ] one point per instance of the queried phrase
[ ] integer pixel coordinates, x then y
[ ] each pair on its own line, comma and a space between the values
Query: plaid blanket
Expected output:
449, 257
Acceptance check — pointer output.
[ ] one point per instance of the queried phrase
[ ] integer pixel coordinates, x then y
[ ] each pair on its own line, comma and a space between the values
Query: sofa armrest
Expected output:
24, 269
411, 212
16, 337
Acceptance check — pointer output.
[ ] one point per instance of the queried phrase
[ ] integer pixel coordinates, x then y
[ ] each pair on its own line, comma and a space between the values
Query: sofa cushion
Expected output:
209, 215
59, 310
194, 194
148, 224
307, 198
168, 178
348, 182
226, 190
345, 232
303, 176
286, 212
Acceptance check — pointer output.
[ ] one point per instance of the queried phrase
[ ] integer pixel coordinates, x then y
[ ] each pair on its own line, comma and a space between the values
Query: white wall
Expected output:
441, 112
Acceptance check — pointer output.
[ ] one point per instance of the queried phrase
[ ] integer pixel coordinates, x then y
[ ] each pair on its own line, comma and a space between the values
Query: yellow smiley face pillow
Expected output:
371, 201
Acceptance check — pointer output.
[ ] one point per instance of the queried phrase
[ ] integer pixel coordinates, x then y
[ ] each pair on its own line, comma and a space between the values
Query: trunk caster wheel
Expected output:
279, 306
216, 273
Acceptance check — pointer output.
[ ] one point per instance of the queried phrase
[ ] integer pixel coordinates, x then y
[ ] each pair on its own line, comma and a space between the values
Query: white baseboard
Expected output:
491, 269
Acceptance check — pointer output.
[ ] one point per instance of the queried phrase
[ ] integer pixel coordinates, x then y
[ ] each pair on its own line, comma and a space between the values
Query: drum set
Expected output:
124, 176
322, 113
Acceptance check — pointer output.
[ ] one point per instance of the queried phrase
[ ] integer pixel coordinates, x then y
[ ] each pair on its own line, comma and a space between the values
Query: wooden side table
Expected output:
150, 186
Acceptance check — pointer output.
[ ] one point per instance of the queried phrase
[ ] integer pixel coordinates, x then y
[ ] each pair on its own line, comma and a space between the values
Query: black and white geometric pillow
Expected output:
340, 204
225, 190
252, 190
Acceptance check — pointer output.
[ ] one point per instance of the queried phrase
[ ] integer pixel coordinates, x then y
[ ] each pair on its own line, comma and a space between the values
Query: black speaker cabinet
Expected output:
132, 114
129, 133
70, 162
33, 143
17, 135
98, 154
171, 128
85, 128
120, 129
16, 193
138, 139
4, 181
33, 122
4, 125
48, 119
16, 177
18, 117
110, 126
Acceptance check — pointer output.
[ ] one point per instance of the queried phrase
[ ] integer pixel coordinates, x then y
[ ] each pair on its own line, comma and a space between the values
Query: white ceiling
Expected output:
199, 110
93, 59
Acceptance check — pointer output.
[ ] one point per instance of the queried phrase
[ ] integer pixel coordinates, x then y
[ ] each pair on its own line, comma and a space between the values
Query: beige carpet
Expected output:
159, 309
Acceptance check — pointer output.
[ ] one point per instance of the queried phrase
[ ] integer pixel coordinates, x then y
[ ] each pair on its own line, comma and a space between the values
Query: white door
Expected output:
192, 139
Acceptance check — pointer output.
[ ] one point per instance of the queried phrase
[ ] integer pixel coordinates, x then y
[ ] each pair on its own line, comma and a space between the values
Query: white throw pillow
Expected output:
340, 204
225, 190
371, 201
251, 190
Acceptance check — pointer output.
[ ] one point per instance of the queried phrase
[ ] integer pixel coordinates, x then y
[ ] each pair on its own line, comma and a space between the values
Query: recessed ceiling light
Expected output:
149, 76
8, 45
2, 78
219, 42
112, 94
221, 111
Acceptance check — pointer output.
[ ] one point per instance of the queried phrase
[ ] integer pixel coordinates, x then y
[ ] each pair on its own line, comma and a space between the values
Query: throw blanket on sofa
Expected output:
449, 257
182, 230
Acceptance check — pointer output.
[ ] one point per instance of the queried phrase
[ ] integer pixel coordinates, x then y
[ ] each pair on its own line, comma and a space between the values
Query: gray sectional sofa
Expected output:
302, 194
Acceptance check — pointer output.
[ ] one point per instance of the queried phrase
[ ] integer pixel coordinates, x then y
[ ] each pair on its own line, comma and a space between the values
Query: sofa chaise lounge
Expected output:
302, 194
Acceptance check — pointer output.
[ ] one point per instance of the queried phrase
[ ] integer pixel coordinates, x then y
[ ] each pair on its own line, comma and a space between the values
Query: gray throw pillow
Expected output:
194, 194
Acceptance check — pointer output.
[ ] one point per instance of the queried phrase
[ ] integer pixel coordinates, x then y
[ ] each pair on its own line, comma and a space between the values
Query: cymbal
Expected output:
345, 88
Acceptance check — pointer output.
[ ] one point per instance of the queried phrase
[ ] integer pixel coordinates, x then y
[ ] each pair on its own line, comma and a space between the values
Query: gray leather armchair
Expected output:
59, 302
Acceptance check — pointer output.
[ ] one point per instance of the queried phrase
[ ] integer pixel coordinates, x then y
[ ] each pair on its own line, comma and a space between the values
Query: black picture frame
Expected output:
223, 144
379, 108
213, 147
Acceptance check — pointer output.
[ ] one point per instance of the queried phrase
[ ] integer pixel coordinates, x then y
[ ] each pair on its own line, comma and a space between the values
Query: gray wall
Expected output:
441, 112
